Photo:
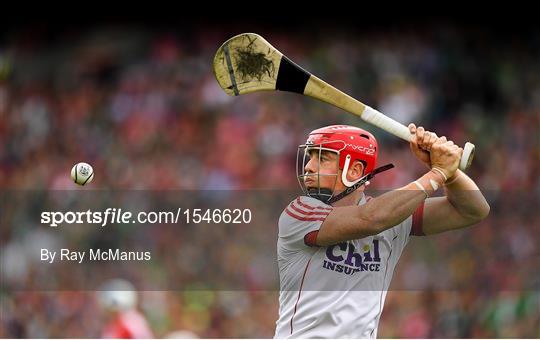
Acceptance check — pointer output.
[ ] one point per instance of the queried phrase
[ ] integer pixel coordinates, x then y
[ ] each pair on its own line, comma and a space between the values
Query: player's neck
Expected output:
351, 199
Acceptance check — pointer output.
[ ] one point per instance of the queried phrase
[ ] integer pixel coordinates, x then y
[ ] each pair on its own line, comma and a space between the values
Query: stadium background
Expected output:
141, 101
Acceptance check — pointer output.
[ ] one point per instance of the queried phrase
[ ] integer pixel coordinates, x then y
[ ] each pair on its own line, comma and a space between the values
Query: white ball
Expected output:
82, 173
117, 294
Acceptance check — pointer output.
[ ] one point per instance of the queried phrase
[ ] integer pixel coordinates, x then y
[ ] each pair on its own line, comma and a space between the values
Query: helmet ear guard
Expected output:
344, 179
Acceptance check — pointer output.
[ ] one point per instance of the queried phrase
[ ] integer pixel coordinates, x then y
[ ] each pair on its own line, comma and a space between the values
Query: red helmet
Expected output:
348, 142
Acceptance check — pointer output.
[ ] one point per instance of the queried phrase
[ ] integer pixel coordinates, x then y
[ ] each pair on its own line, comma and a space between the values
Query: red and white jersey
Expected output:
127, 325
336, 291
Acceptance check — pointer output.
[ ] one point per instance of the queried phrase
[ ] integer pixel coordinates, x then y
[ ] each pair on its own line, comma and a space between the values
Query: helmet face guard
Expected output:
303, 156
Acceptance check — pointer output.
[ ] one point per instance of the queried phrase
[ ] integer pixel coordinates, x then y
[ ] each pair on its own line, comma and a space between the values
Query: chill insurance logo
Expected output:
345, 258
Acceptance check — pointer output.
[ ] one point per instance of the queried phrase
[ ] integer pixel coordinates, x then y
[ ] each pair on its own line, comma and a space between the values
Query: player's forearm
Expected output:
465, 196
394, 207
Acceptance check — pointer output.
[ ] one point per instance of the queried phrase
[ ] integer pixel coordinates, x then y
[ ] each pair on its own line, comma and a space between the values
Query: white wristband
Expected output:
441, 172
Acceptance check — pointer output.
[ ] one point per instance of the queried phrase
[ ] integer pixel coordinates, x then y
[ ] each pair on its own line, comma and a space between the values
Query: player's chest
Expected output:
367, 256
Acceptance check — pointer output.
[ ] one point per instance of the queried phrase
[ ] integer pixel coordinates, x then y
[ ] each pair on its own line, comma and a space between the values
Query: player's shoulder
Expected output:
305, 208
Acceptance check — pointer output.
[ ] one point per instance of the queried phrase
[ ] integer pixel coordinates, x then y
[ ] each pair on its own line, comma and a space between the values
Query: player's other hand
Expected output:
435, 151
421, 143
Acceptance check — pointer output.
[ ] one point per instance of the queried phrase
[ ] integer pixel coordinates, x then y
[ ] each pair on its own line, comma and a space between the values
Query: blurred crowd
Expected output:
143, 108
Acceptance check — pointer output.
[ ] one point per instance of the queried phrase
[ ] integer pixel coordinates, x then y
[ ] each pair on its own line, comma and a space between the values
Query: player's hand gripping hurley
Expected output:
247, 63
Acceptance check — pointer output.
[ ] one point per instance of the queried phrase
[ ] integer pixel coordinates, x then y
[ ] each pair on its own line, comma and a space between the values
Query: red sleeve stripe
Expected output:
303, 218
309, 206
298, 210
417, 219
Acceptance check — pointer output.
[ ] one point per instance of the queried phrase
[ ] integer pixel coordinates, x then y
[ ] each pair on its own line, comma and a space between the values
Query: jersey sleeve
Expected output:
300, 222
411, 226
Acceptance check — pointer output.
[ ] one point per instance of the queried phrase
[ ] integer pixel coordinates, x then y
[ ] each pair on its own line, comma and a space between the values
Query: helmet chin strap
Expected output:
322, 194
352, 186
